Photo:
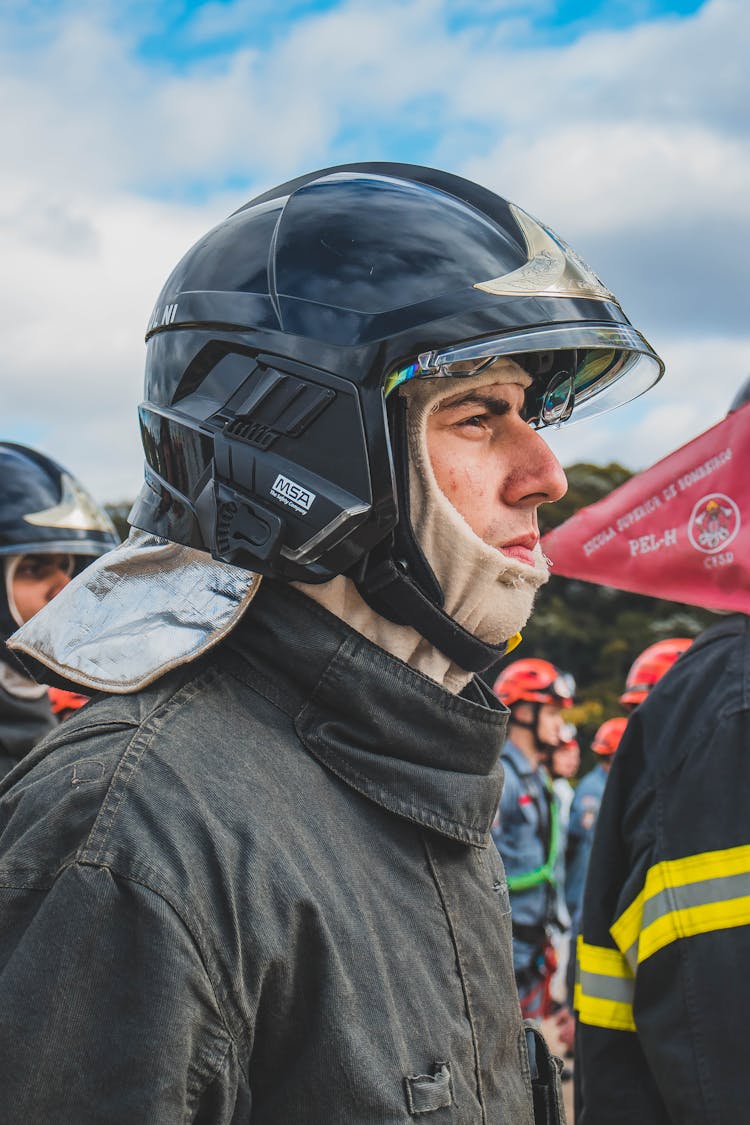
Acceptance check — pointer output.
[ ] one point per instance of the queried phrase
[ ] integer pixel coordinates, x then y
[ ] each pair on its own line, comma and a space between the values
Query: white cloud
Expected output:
629, 175
72, 327
631, 143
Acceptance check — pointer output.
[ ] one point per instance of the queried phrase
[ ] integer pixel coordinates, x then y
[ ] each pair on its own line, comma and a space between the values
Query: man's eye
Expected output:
29, 570
37, 568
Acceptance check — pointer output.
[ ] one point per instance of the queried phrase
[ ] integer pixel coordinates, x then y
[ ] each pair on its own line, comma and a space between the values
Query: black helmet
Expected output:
273, 345
741, 397
45, 510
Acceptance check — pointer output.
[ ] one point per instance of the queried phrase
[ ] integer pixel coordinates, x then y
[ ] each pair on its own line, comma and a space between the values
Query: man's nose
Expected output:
541, 477
58, 582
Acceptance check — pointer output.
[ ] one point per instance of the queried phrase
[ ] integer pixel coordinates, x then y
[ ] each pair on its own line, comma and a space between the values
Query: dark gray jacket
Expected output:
262, 889
23, 722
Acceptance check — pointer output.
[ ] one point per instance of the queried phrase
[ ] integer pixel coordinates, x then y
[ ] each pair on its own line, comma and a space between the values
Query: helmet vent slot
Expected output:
278, 404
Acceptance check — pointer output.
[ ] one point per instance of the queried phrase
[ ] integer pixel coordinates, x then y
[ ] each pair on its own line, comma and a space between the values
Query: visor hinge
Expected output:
245, 529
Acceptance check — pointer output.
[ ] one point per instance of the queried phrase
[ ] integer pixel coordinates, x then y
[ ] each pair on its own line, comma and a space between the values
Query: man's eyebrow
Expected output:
496, 406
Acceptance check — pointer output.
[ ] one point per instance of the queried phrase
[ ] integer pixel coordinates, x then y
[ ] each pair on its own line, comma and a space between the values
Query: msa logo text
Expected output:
291, 494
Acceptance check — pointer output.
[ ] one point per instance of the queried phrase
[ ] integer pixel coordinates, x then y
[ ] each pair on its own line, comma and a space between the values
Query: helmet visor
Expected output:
578, 370
564, 687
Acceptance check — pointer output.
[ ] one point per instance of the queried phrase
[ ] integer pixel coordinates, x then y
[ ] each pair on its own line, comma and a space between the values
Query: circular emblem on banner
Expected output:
714, 523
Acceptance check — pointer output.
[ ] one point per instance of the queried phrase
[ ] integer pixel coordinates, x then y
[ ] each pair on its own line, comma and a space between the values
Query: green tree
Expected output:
118, 513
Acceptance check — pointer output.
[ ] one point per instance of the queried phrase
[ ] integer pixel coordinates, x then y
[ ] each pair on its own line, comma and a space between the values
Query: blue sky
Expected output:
136, 126
182, 34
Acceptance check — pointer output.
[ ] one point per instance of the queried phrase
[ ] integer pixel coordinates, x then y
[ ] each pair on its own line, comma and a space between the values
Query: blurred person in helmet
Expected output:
662, 991
649, 667
565, 762
50, 529
585, 809
278, 869
527, 828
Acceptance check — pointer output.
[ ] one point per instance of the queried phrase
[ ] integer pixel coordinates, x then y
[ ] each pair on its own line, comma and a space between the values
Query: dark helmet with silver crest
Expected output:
44, 510
272, 437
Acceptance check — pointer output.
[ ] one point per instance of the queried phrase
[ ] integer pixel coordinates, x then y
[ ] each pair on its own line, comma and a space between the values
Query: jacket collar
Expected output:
388, 732
733, 624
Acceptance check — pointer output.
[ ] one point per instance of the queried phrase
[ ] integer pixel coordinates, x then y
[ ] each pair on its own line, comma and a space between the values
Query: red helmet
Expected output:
607, 738
648, 668
534, 681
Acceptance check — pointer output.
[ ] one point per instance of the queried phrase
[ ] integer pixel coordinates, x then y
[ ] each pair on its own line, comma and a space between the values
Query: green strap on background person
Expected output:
545, 873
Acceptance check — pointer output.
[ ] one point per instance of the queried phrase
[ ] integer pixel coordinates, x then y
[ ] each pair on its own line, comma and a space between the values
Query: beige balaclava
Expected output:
11, 566
487, 593
12, 680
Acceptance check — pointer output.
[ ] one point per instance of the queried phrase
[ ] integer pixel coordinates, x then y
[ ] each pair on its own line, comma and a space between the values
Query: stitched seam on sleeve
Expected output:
152, 725
161, 888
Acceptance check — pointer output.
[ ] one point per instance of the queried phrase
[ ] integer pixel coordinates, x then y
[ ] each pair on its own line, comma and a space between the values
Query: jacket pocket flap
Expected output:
428, 1092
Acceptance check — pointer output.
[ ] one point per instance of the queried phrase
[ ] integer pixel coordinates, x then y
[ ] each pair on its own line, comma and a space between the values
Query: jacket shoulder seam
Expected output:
146, 731
155, 883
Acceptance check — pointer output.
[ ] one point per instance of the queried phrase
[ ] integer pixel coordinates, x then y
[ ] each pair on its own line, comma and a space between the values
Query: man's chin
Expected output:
531, 570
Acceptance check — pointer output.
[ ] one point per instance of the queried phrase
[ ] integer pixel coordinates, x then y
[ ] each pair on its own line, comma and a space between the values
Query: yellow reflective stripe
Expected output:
626, 930
703, 919
599, 959
603, 994
709, 874
696, 868
604, 1013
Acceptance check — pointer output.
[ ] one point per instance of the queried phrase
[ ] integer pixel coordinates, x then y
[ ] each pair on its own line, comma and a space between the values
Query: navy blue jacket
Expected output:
664, 990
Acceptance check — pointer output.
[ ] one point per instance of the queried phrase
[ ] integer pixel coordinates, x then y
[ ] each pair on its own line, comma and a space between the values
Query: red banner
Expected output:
679, 530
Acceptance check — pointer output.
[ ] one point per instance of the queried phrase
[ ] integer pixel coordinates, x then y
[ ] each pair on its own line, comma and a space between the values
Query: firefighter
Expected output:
268, 837
527, 825
663, 993
50, 528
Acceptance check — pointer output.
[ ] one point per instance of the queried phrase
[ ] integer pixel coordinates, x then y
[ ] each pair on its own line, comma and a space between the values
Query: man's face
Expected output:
566, 760
37, 579
550, 724
493, 467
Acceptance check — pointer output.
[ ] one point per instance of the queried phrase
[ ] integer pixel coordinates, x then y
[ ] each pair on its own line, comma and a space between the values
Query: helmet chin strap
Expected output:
394, 595
546, 748
397, 582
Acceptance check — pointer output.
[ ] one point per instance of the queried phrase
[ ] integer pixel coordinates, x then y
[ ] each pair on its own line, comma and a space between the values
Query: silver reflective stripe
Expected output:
604, 989
601, 987
631, 956
695, 894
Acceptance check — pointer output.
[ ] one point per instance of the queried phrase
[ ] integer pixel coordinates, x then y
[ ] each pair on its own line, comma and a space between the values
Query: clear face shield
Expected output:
578, 371
563, 687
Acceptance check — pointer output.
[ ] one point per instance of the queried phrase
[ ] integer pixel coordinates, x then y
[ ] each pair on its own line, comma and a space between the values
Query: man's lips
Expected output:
522, 549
